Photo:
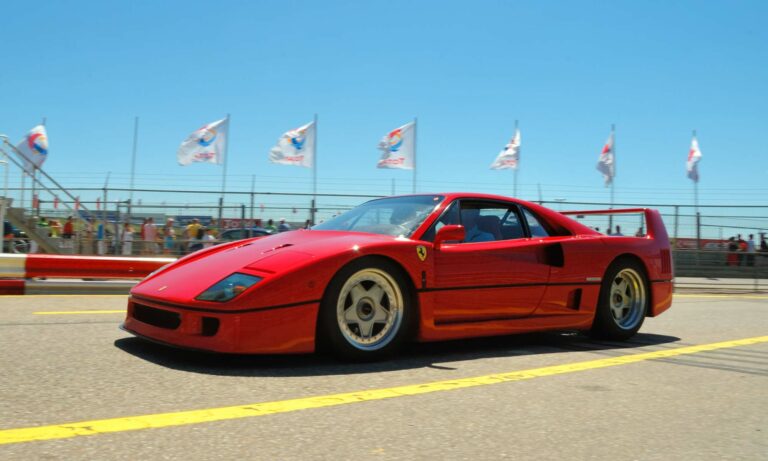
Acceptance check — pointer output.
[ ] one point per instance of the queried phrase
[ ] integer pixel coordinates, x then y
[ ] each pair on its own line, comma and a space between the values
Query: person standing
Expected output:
87, 237
67, 232
101, 246
270, 226
284, 226
127, 239
69, 229
191, 233
733, 247
169, 235
150, 236
751, 250
742, 248
209, 239
143, 245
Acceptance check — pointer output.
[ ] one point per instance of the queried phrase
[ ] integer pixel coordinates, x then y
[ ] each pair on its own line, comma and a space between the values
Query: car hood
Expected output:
270, 256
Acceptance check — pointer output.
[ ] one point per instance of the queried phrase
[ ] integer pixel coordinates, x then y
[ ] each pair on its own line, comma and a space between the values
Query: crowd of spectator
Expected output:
743, 252
95, 237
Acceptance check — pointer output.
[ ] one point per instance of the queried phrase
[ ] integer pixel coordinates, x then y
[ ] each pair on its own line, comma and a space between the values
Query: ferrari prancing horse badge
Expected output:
421, 251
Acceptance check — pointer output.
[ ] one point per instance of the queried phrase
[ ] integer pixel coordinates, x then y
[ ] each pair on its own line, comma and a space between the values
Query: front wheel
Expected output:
366, 313
623, 301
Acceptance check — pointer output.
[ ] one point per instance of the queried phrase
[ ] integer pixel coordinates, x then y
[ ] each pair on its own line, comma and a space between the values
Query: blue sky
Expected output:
566, 70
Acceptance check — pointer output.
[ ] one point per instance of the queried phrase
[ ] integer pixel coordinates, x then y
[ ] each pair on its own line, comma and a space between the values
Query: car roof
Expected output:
572, 226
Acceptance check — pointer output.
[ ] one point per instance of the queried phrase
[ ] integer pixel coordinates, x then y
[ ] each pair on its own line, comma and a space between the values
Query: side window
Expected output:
535, 226
482, 221
489, 221
512, 226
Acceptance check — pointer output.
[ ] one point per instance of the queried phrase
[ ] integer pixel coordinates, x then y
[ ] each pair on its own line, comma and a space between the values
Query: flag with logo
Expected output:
206, 144
33, 149
694, 156
296, 147
509, 157
607, 163
398, 148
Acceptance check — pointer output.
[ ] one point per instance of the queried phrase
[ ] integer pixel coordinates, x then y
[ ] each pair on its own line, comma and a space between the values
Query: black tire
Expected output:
367, 312
623, 301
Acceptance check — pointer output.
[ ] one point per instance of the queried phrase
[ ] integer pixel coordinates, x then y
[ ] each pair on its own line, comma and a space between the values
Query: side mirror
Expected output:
449, 232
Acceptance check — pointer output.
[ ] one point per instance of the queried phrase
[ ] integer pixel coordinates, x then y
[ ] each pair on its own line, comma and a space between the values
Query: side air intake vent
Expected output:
666, 262
574, 299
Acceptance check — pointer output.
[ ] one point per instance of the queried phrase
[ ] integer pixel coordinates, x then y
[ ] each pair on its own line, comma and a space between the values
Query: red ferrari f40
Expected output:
424, 267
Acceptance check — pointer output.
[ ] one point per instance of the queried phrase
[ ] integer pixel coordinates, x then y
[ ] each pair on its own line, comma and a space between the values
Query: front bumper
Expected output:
280, 330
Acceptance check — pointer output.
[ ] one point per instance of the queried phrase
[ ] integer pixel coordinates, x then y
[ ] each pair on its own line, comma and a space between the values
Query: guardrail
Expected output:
78, 267
29, 274
721, 270
720, 264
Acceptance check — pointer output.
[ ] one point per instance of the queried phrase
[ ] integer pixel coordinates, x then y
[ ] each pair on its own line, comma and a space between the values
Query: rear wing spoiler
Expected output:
653, 222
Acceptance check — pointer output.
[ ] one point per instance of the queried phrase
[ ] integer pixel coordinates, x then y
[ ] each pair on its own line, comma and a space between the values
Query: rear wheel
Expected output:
366, 313
623, 301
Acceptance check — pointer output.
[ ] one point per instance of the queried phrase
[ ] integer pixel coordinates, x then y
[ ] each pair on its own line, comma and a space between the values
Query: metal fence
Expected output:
700, 238
707, 223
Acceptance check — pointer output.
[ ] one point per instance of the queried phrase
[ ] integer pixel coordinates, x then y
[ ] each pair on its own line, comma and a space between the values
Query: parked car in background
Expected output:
243, 233
15, 241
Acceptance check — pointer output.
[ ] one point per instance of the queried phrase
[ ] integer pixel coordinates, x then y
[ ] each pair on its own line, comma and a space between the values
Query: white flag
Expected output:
694, 156
296, 147
34, 148
398, 148
509, 157
607, 163
206, 144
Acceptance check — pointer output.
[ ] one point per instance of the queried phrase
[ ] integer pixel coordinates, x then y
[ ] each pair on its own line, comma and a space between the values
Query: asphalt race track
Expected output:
692, 385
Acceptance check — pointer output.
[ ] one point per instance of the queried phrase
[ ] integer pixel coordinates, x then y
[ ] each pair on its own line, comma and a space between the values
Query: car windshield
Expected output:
395, 216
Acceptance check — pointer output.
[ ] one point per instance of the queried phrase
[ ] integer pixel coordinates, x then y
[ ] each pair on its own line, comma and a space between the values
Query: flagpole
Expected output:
23, 186
34, 178
104, 212
314, 177
517, 165
696, 186
133, 164
252, 224
224, 172
613, 177
696, 196
414, 153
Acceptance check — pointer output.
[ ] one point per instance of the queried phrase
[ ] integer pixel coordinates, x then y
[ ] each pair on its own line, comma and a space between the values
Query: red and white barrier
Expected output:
65, 287
17, 270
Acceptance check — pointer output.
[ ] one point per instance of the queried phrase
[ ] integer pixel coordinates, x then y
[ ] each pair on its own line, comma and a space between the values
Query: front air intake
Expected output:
156, 317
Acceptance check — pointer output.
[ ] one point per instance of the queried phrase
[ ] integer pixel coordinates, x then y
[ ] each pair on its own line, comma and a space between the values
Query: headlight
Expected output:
226, 289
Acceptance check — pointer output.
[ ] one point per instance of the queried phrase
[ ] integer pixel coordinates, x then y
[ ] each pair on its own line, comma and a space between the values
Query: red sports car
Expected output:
416, 267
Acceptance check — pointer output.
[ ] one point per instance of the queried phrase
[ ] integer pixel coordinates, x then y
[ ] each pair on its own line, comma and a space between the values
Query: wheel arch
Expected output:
641, 263
410, 289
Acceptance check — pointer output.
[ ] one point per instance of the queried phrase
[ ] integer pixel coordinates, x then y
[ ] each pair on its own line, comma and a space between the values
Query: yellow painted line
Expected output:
133, 423
122, 311
735, 296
